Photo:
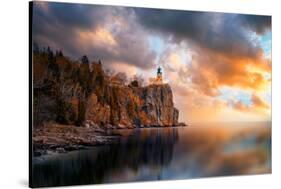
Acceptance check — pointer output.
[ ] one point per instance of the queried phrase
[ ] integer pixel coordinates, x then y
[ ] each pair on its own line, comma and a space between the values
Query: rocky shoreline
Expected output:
57, 138
90, 124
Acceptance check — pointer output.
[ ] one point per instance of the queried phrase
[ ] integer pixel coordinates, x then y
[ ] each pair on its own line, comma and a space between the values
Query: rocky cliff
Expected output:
81, 94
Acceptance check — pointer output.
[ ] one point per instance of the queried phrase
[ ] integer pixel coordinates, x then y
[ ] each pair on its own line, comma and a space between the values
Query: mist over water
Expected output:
163, 153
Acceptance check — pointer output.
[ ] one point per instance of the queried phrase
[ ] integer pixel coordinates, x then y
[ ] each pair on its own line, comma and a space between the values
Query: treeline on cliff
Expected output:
81, 93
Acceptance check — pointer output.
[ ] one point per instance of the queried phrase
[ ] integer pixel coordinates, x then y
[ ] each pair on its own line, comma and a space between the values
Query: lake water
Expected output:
163, 153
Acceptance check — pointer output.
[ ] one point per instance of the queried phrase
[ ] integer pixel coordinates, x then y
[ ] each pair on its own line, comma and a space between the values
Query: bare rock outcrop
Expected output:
158, 105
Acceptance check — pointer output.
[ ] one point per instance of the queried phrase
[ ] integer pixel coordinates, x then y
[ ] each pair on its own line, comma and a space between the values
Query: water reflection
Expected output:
163, 153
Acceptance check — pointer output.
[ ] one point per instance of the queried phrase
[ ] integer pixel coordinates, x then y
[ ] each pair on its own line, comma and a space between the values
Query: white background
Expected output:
14, 92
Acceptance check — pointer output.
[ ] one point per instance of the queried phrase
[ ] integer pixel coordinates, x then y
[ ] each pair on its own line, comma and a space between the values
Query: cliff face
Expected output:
158, 105
81, 94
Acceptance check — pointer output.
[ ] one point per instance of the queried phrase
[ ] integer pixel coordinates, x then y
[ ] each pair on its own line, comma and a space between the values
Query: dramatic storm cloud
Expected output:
218, 64
104, 32
225, 33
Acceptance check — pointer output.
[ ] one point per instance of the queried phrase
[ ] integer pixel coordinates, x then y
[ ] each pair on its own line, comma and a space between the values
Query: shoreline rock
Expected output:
57, 138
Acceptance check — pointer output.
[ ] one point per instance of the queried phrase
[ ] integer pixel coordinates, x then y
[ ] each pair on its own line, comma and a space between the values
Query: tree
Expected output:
36, 48
60, 53
85, 60
134, 83
109, 72
121, 77
137, 80
50, 55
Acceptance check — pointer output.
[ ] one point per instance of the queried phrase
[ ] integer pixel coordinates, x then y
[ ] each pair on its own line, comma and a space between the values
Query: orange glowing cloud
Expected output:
218, 69
196, 86
100, 36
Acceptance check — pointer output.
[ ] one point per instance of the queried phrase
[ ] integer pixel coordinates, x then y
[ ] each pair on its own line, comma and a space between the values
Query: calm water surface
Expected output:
163, 153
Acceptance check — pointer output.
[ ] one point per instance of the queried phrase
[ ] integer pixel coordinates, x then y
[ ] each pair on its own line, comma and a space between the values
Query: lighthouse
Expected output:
158, 79
159, 76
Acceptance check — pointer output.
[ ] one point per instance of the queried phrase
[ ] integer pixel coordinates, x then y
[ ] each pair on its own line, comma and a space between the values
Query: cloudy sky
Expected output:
218, 65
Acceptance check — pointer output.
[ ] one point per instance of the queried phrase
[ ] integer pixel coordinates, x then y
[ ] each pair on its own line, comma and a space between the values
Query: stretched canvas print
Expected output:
123, 94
